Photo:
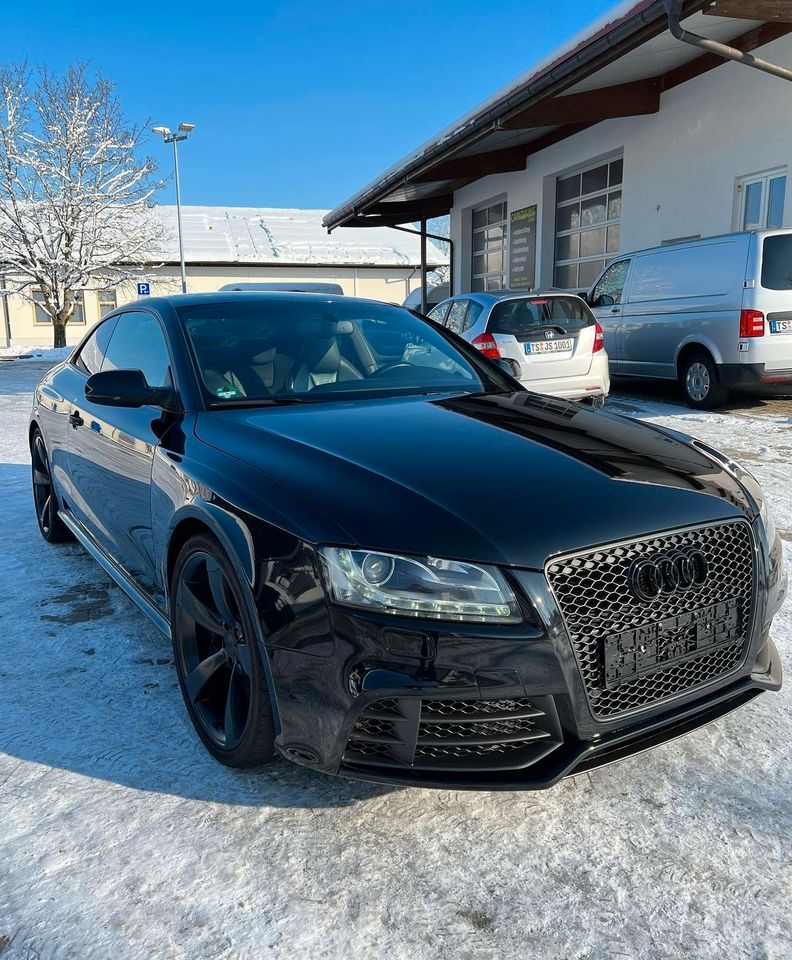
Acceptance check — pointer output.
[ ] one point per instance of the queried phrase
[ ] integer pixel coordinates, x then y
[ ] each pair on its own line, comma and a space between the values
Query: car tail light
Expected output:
599, 338
752, 323
486, 343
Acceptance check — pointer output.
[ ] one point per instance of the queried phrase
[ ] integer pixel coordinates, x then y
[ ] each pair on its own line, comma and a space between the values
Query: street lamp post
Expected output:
184, 131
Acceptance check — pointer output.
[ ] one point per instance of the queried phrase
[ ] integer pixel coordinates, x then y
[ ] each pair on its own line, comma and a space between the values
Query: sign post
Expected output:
522, 248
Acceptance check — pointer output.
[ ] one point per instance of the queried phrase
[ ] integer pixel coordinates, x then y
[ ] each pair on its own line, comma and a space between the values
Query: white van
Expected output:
712, 314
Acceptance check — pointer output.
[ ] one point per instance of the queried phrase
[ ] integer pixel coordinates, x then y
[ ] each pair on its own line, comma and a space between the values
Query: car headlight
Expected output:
419, 586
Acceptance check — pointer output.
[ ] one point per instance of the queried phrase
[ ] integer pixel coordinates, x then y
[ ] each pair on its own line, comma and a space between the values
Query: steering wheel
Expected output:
398, 365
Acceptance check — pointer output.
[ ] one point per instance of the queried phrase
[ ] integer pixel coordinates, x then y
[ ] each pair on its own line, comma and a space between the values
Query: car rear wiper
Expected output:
548, 326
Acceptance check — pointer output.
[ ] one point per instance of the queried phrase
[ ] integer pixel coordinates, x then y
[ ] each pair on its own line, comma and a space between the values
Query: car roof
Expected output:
493, 296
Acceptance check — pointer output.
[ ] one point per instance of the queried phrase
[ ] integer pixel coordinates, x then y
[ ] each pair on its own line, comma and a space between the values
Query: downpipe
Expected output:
674, 10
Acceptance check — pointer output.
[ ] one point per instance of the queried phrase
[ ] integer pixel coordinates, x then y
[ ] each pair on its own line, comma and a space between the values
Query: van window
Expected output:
777, 262
611, 285
520, 317
708, 270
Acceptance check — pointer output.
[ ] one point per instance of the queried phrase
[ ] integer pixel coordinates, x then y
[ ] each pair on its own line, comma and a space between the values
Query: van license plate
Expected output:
548, 346
781, 326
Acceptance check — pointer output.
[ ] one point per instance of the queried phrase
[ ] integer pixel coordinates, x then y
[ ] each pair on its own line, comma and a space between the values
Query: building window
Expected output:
41, 315
107, 302
762, 200
588, 223
490, 236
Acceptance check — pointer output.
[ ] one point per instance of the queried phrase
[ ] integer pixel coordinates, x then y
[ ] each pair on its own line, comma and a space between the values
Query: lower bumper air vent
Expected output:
454, 734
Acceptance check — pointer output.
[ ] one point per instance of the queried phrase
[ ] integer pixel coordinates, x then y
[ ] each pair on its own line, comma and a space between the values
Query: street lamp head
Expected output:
187, 127
163, 131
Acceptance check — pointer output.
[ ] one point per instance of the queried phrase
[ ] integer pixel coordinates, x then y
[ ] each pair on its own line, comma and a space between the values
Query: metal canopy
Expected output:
620, 68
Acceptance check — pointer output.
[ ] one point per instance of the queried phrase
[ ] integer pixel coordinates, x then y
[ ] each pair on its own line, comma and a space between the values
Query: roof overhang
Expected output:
619, 68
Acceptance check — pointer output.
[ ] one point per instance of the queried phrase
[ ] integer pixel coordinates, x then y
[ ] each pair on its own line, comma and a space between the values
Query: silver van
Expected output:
713, 314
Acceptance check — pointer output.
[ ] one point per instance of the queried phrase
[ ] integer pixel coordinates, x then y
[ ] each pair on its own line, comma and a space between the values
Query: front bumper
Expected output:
489, 707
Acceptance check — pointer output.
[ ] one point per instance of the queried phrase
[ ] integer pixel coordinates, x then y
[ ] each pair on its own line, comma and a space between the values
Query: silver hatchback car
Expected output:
551, 340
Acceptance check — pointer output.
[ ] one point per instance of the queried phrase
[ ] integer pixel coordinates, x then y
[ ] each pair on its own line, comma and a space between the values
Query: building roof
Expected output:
619, 66
283, 237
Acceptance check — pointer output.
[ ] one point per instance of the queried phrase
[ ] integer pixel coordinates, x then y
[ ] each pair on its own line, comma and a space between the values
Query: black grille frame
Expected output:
591, 588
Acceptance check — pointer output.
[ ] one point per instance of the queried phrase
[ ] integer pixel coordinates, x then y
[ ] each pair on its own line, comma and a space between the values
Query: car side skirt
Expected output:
130, 589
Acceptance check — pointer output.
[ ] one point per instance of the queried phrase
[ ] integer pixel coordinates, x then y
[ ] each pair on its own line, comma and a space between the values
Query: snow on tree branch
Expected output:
74, 195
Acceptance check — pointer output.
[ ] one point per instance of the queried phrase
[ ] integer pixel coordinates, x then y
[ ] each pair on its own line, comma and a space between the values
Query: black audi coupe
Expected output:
379, 556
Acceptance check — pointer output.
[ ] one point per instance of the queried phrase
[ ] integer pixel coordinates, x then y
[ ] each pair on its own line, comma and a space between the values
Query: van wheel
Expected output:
701, 383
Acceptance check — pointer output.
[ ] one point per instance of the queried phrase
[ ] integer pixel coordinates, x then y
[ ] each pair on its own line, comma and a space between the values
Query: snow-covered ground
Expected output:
38, 354
120, 838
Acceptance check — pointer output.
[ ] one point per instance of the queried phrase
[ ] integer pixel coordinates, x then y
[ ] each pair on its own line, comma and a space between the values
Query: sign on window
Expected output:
522, 249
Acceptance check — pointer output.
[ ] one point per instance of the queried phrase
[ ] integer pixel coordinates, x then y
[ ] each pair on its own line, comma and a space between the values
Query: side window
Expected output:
456, 316
610, 288
438, 313
474, 312
139, 344
90, 357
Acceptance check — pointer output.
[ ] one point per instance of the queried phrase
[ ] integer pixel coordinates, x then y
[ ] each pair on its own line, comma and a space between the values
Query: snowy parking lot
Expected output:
121, 838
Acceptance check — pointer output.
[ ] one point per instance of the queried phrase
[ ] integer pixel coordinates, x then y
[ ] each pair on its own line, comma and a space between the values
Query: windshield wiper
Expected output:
261, 402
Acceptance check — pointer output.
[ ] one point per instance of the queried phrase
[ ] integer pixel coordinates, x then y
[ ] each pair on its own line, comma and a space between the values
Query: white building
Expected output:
225, 245
626, 138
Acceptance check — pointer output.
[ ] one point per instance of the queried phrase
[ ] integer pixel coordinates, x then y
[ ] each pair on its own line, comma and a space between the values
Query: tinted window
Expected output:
777, 262
612, 284
438, 313
276, 351
91, 356
474, 312
520, 317
456, 316
139, 344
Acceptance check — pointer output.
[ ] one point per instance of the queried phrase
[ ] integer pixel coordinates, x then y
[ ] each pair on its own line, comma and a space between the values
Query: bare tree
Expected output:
73, 194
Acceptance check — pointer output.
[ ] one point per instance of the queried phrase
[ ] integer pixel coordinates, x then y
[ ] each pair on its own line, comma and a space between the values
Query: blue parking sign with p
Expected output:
143, 289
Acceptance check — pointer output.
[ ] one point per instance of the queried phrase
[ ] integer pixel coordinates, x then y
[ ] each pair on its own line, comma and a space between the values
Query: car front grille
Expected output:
598, 605
453, 734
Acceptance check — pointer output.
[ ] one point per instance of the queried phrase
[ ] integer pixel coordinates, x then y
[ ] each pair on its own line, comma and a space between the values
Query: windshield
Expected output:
291, 350
525, 315
777, 262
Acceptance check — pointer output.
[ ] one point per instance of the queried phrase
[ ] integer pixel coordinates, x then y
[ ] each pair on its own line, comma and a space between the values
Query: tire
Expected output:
217, 656
45, 502
701, 383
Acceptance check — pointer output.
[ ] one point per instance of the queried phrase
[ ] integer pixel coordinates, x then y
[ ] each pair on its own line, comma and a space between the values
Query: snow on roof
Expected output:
258, 235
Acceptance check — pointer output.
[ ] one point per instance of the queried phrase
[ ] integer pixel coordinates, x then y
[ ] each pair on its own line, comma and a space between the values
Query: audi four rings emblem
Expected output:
667, 573
549, 334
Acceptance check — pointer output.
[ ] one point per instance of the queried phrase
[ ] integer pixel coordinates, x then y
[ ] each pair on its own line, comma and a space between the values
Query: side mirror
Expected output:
125, 388
603, 300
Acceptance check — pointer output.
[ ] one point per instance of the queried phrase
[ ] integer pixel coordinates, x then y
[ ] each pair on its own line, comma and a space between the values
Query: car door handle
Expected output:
75, 419
616, 310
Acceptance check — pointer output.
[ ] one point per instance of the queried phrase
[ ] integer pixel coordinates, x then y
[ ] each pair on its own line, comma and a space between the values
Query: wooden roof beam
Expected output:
772, 11
605, 103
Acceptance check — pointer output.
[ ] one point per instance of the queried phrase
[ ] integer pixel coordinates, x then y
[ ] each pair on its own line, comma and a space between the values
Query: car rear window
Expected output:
523, 315
777, 262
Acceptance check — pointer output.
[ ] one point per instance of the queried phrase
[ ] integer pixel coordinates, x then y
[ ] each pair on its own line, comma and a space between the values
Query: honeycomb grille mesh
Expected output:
594, 595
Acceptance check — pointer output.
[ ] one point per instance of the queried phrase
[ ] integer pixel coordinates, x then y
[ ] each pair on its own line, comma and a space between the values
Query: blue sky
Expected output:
300, 103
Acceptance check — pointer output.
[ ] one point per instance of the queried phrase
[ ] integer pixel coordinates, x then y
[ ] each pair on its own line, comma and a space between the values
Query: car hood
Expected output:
509, 479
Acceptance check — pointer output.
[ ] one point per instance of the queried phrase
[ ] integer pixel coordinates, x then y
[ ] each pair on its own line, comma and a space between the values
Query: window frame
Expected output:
486, 250
79, 296
100, 303
607, 224
764, 179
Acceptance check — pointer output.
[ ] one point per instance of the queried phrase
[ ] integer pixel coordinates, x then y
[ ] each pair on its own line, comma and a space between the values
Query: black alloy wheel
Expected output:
217, 657
52, 528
